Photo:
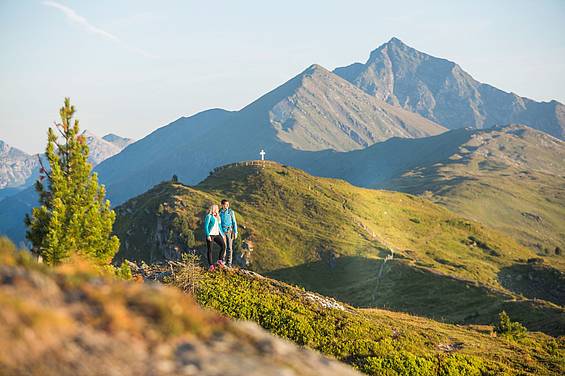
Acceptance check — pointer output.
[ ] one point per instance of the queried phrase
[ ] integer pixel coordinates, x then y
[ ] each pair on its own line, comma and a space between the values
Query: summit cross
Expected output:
262, 153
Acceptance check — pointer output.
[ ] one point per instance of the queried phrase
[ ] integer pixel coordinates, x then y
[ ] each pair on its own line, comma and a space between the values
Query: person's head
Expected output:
225, 204
213, 209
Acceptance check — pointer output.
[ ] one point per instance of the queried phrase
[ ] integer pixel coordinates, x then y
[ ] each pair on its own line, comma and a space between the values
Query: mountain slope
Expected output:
375, 341
503, 179
72, 321
317, 110
509, 178
441, 91
337, 239
313, 111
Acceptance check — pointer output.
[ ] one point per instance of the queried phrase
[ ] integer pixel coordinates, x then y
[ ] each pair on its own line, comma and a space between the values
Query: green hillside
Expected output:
511, 178
375, 341
330, 236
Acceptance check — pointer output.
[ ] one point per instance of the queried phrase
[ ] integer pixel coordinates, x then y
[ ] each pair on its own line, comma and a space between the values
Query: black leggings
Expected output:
219, 239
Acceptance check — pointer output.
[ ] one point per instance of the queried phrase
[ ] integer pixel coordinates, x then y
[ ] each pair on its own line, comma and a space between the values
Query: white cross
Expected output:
262, 154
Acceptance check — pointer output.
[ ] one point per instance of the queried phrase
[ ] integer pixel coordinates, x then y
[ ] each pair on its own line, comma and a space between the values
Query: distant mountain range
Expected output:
443, 92
19, 169
16, 168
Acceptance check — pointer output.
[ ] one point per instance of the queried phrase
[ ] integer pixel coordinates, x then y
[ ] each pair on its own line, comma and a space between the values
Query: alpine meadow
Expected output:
307, 213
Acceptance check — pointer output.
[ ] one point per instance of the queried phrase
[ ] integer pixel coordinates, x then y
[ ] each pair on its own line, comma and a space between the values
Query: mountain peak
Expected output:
119, 141
393, 44
111, 137
313, 70
443, 92
395, 41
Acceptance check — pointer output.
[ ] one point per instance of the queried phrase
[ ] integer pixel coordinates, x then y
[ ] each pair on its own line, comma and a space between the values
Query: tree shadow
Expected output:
534, 282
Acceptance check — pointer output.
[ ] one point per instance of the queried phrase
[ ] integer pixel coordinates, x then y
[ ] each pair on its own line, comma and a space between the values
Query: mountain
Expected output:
17, 168
366, 247
73, 321
443, 92
105, 147
510, 178
315, 110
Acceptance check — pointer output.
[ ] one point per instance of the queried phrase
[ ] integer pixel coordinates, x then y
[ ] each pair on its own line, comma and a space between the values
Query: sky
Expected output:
131, 67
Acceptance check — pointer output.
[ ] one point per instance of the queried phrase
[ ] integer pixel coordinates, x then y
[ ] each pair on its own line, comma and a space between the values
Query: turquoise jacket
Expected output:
209, 224
227, 218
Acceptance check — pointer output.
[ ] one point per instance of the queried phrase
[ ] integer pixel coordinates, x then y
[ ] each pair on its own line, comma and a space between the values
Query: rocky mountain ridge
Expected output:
443, 92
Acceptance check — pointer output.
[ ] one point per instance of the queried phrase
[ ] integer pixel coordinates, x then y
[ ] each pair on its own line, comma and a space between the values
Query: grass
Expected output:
509, 179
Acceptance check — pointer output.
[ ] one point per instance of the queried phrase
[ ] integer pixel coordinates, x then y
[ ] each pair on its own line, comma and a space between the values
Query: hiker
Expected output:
229, 228
214, 233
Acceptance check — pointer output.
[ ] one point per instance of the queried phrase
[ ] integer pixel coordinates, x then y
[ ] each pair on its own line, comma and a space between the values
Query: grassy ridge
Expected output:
295, 220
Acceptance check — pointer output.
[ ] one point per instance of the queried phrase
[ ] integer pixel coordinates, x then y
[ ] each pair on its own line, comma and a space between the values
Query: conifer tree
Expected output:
74, 215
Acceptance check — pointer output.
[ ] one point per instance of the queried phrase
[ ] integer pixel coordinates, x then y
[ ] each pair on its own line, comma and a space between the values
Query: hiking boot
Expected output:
211, 268
221, 264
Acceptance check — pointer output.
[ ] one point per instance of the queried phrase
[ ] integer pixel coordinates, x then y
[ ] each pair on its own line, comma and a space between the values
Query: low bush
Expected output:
343, 334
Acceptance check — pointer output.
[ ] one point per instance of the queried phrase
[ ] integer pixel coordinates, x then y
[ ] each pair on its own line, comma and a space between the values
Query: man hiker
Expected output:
229, 228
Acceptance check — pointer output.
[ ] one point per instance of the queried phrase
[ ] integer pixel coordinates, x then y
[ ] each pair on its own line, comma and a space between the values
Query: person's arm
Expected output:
206, 226
234, 223
220, 228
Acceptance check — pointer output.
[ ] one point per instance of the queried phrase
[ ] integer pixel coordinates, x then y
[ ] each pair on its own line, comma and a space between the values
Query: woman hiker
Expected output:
214, 233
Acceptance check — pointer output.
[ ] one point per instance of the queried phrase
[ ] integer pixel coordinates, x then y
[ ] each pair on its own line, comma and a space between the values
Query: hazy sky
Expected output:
133, 66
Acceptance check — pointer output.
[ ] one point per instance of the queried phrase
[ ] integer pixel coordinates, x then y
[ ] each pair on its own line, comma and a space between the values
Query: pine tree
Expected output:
74, 216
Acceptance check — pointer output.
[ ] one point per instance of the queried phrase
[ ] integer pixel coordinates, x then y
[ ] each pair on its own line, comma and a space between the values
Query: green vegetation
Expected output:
124, 271
509, 328
74, 217
374, 341
329, 236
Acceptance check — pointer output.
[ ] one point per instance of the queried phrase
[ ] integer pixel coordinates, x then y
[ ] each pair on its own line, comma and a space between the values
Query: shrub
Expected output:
509, 328
340, 334
124, 271
190, 276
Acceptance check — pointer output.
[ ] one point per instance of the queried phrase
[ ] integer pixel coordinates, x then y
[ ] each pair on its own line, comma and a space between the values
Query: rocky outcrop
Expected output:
16, 166
70, 322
